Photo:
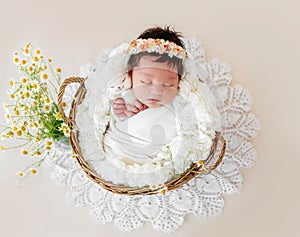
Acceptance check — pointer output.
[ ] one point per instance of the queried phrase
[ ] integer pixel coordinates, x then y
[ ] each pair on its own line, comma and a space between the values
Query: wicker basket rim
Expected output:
196, 169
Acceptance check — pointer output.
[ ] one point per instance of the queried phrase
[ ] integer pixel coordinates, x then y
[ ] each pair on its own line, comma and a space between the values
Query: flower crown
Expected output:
156, 45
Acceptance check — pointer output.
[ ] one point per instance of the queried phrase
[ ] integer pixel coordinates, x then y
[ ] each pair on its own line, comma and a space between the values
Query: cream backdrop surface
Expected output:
258, 38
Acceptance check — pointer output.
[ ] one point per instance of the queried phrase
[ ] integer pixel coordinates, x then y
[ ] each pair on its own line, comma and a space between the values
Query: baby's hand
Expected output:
134, 109
119, 107
121, 110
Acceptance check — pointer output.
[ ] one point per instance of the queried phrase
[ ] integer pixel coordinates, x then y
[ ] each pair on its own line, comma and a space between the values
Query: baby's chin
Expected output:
154, 104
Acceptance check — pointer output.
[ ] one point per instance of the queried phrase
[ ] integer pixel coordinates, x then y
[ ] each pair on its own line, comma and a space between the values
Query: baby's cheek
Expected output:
139, 93
171, 94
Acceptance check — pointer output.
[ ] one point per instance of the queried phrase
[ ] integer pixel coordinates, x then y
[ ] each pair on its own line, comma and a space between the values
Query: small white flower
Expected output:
27, 49
37, 52
3, 136
47, 108
7, 116
16, 60
31, 69
35, 86
6, 108
20, 174
66, 130
24, 81
48, 100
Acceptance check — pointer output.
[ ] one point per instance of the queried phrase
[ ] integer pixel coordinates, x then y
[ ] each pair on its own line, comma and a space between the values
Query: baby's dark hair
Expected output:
164, 33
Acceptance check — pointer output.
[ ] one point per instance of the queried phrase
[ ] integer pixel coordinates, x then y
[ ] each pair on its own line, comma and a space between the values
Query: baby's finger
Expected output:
120, 113
119, 101
129, 113
132, 108
119, 110
138, 104
119, 106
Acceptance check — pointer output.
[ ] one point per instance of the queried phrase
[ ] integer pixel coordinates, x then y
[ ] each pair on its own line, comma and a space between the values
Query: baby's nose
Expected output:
156, 89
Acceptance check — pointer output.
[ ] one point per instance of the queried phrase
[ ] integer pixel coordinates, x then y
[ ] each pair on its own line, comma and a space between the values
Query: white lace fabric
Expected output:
202, 196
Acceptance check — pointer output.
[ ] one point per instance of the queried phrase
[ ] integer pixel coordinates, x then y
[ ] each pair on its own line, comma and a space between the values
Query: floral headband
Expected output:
156, 45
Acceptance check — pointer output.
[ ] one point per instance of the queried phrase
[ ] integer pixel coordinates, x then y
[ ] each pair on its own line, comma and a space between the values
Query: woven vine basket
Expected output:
214, 158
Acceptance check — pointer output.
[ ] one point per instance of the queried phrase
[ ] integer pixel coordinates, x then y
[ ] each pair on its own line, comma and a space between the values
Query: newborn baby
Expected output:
143, 118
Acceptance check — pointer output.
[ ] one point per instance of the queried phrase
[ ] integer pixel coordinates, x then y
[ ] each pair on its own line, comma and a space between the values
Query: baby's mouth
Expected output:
152, 100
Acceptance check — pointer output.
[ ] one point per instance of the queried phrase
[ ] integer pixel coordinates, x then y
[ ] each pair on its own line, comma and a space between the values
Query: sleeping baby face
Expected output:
154, 83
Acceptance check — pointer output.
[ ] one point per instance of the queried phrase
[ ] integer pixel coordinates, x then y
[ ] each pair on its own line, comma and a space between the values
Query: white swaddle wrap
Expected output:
137, 139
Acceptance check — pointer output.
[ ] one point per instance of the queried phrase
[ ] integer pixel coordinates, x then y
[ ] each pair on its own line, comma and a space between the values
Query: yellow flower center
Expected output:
58, 115
64, 127
24, 152
10, 133
48, 148
200, 162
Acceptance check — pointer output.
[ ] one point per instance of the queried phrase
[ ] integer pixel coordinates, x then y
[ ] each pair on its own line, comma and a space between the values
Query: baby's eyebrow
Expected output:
173, 77
146, 74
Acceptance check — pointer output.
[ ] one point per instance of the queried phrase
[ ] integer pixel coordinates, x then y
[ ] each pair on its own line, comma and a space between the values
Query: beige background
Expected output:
258, 38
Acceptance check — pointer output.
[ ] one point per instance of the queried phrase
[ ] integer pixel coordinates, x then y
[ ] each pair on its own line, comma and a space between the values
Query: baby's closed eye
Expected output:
165, 84
145, 82
168, 85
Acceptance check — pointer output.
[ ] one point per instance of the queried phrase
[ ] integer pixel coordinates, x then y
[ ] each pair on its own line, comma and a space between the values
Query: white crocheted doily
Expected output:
201, 196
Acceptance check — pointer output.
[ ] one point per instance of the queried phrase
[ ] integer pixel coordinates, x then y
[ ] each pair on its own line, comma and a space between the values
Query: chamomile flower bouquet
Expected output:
32, 114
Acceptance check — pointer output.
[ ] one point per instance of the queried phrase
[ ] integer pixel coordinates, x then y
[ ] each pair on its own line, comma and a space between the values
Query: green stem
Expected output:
13, 147
53, 73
